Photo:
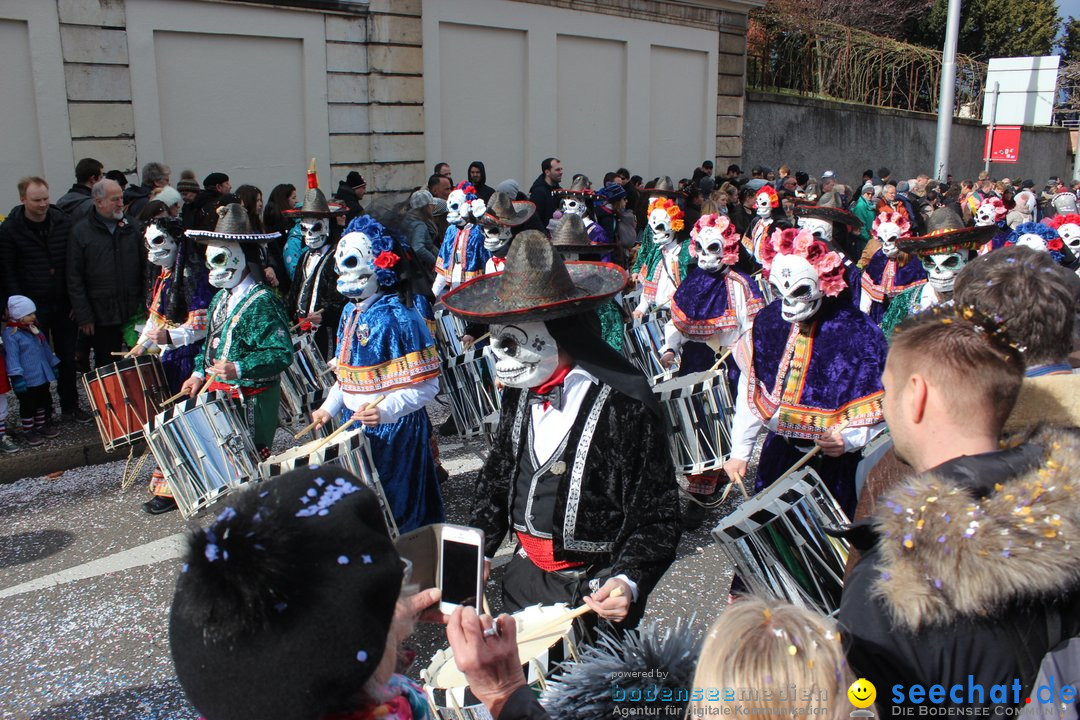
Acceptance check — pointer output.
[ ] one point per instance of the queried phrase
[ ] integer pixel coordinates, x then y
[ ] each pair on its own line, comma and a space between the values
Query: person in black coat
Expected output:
350, 192
478, 177
540, 192
968, 574
593, 515
33, 262
105, 265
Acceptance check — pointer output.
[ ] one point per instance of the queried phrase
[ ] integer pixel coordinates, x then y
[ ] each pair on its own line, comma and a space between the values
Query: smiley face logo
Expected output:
862, 693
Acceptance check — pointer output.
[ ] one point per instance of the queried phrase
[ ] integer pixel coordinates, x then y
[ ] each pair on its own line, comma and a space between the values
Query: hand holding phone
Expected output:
461, 568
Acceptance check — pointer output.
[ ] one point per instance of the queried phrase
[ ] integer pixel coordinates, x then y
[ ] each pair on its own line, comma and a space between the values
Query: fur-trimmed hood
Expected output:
947, 549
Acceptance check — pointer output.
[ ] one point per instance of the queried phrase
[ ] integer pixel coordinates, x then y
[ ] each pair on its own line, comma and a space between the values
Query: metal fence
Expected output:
836, 62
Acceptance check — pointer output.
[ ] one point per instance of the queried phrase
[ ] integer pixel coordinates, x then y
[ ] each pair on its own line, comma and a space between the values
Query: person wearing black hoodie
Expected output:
478, 177
350, 192
205, 204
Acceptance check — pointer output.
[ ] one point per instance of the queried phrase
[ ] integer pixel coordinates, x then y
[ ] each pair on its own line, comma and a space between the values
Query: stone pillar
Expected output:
730, 89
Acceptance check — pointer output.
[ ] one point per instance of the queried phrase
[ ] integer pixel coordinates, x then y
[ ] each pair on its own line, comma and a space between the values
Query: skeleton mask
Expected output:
457, 208
525, 355
985, 215
820, 228
573, 205
1070, 234
710, 243
161, 248
495, 236
762, 206
355, 263
941, 270
660, 222
1033, 241
887, 234
797, 283
316, 231
226, 263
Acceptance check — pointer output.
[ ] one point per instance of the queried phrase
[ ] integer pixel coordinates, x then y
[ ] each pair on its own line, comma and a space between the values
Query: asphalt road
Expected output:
86, 580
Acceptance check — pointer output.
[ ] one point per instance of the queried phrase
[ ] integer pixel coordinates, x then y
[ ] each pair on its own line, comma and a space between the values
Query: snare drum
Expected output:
644, 341
305, 383
124, 396
203, 448
777, 542
700, 410
469, 382
448, 691
449, 329
350, 450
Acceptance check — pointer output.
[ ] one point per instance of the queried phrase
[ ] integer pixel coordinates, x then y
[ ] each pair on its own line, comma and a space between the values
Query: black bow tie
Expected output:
554, 397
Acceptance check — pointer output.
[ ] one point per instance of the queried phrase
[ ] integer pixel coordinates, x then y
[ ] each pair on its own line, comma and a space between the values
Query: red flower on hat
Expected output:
386, 260
1055, 244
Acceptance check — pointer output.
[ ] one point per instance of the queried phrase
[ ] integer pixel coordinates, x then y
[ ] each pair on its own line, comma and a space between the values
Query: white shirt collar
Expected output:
361, 307
242, 287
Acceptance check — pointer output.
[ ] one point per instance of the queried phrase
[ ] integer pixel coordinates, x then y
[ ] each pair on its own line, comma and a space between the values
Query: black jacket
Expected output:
954, 582
483, 190
347, 196
105, 270
328, 298
203, 216
76, 202
624, 518
32, 268
136, 197
546, 204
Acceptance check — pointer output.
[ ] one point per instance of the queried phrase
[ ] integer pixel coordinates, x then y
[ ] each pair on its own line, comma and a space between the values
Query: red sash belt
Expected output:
542, 553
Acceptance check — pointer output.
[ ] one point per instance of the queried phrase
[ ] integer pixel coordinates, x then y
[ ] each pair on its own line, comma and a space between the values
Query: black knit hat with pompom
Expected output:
284, 602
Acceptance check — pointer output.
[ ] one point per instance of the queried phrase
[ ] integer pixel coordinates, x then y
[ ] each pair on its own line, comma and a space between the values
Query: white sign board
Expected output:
1026, 89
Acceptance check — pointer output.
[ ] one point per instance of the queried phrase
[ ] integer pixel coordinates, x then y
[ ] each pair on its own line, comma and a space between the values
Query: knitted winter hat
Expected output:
19, 306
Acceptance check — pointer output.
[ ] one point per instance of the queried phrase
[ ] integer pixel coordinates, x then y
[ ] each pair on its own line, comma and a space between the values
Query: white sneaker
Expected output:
7, 445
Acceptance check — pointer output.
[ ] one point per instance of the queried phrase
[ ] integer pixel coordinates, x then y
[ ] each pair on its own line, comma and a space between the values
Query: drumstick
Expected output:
720, 361
553, 625
306, 430
482, 337
303, 321
345, 425
810, 455
174, 398
206, 386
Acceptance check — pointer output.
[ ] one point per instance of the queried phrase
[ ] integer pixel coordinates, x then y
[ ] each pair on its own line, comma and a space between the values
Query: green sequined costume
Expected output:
905, 304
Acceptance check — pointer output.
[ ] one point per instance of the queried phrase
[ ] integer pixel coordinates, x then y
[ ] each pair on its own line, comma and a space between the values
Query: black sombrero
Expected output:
315, 205
233, 225
946, 233
828, 214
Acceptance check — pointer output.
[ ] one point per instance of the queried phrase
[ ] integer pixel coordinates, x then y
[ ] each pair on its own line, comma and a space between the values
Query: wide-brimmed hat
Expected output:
579, 188
536, 285
570, 236
501, 210
664, 188
315, 205
284, 602
946, 233
829, 214
233, 225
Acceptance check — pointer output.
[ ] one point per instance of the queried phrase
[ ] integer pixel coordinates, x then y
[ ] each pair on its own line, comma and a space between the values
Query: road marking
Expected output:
167, 548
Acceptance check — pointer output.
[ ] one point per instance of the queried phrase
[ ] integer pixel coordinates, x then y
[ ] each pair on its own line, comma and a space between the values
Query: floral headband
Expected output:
770, 192
797, 241
727, 230
896, 219
673, 210
468, 188
382, 246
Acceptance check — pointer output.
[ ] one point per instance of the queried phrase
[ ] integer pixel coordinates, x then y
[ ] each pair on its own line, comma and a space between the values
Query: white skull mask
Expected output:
985, 215
457, 208
821, 228
660, 223
354, 260
525, 355
762, 205
1070, 235
941, 270
226, 263
887, 234
710, 245
316, 231
496, 236
573, 205
1033, 241
161, 247
798, 284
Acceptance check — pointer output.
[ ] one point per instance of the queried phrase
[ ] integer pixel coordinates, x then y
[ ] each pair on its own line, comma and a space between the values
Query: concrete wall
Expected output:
816, 135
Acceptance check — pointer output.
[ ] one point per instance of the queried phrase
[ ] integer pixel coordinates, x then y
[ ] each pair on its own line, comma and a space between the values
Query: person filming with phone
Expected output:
579, 468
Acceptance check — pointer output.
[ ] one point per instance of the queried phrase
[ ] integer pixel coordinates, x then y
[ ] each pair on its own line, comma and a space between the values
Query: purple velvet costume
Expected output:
830, 373
883, 279
179, 362
700, 308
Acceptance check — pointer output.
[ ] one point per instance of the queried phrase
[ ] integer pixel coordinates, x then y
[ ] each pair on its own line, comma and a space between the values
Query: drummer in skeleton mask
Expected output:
578, 200
992, 212
767, 211
462, 255
579, 469
670, 261
313, 298
944, 251
384, 349
247, 340
889, 272
1068, 229
572, 241
177, 320
811, 370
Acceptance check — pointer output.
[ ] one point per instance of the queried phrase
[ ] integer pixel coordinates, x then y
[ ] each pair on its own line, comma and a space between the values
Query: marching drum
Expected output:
700, 410
448, 331
777, 542
644, 341
630, 300
305, 383
350, 451
124, 396
448, 691
203, 448
469, 382
765, 286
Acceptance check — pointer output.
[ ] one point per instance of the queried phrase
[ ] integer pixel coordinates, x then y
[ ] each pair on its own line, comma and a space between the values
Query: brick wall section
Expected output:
730, 89
94, 45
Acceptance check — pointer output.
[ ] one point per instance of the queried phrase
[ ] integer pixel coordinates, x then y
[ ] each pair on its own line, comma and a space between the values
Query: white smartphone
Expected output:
461, 568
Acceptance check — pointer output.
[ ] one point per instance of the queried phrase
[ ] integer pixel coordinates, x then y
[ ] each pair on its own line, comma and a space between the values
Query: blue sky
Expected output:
1068, 8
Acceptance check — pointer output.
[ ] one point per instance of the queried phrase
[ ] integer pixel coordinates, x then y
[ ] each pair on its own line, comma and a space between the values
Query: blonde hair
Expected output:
771, 657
